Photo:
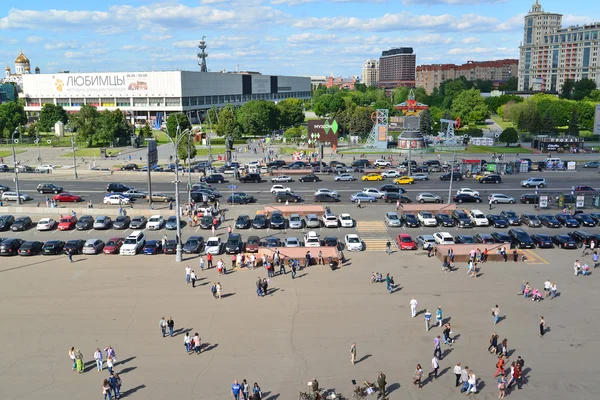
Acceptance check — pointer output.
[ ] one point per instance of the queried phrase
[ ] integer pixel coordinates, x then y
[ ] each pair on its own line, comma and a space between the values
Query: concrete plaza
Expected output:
302, 330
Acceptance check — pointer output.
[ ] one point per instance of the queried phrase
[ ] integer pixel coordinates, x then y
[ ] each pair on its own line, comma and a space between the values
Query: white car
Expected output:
213, 246
426, 218
279, 188
45, 224
253, 164
391, 173
443, 238
478, 218
470, 191
116, 199
44, 168
155, 222
382, 163
292, 242
327, 191
344, 177
12, 196
312, 239
353, 242
330, 221
282, 178
346, 221
378, 194
501, 198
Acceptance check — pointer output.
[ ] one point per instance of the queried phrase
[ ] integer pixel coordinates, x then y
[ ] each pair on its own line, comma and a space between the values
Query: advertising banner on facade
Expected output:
90, 83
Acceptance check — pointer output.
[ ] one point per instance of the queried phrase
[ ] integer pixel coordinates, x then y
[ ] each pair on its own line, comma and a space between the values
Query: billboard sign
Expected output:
597, 120
90, 83
321, 130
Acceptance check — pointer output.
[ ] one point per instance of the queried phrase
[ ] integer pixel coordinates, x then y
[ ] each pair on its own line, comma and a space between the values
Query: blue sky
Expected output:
288, 37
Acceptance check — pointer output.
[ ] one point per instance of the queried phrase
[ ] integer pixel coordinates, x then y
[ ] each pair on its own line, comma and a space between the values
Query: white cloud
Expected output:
269, 38
513, 23
569, 19
186, 44
483, 50
72, 44
299, 2
156, 38
470, 40
307, 37
133, 47
451, 2
34, 39
74, 54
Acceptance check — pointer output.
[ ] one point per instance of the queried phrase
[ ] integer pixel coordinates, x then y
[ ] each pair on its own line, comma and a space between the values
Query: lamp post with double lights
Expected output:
15, 165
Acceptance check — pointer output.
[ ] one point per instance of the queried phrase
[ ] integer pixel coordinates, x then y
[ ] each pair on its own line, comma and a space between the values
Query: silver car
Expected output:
102, 222
420, 177
425, 241
313, 221
501, 198
296, 222
93, 246
428, 198
344, 177
392, 219
292, 242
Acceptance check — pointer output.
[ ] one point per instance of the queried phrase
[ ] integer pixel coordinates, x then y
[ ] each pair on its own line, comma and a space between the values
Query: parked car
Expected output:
75, 246
582, 238
93, 246
405, 242
214, 178
213, 246
296, 222
6, 221
234, 244
325, 198
272, 242
252, 244
443, 238
484, 238
501, 237
531, 220
498, 198
462, 219
160, 198
10, 247
466, 198
464, 239
193, 245
497, 221
31, 248
12, 196
21, 224
282, 197
330, 221
530, 198
259, 222
564, 241
392, 219
521, 239
311, 239
511, 217
585, 220
410, 220
84, 223
46, 224
250, 177
277, 221
67, 198
49, 188
113, 245
542, 241
53, 247
122, 222
242, 222
156, 222
445, 220
117, 199
549, 220
313, 221
591, 164
102, 222
138, 222
353, 242
152, 247
426, 218
425, 241
567, 220
171, 223
129, 167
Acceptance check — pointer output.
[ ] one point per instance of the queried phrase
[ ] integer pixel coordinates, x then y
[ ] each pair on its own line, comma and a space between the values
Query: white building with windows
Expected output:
144, 95
370, 72
550, 54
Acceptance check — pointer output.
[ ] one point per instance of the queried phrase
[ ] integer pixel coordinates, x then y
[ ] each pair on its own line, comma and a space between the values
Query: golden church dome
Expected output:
22, 59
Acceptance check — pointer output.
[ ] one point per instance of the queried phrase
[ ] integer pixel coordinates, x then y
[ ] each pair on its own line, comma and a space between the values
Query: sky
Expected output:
286, 37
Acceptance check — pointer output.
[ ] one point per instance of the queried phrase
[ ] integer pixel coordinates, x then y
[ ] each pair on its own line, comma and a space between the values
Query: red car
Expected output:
113, 245
252, 244
67, 223
405, 242
67, 198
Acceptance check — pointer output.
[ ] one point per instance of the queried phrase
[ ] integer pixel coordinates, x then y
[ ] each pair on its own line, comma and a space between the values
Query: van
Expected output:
133, 244
553, 160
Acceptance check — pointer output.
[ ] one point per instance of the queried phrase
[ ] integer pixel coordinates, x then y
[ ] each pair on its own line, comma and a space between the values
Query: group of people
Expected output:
111, 386
243, 391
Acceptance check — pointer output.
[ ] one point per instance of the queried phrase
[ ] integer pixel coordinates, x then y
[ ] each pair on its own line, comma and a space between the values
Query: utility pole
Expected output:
74, 160
15, 166
451, 177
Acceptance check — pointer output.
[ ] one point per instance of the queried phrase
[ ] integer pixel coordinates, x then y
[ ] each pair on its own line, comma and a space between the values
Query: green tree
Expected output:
484, 86
50, 115
400, 94
509, 136
112, 128
583, 88
511, 85
328, 104
548, 124
594, 96
567, 89
178, 120
227, 122
212, 116
258, 117
586, 112
573, 129
470, 106
291, 112
293, 134
426, 123
12, 116
182, 148
360, 87
146, 131
85, 122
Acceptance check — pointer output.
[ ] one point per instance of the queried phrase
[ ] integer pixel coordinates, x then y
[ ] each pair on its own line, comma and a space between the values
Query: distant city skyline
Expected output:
288, 37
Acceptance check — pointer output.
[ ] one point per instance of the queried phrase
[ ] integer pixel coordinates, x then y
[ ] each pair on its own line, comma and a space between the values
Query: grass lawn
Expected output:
92, 152
496, 149
503, 124
5, 154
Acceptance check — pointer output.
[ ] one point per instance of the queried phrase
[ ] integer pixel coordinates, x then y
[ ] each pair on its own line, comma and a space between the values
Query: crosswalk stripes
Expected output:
375, 244
370, 226
373, 234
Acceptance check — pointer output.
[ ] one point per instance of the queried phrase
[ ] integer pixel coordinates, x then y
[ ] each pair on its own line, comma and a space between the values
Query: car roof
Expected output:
91, 241
213, 238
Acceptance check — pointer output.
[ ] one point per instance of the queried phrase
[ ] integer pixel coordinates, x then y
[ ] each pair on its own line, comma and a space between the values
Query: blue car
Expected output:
153, 247
363, 197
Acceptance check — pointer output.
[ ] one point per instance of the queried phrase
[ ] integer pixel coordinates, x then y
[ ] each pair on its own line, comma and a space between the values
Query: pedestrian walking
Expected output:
209, 259
391, 289
499, 366
438, 316
427, 320
236, 388
413, 307
542, 326
553, 290
418, 375
447, 332
381, 382
451, 255
496, 313
188, 271
293, 268
435, 366
193, 278
196, 342
307, 259
106, 390
98, 358
493, 348
501, 386
110, 364
72, 357
219, 289
397, 204
245, 390
472, 388
490, 201
437, 347
70, 255
388, 247
163, 326
113, 384
353, 353
187, 342
256, 392
387, 281
457, 370
79, 361
282, 267
171, 325
358, 203
464, 378
595, 259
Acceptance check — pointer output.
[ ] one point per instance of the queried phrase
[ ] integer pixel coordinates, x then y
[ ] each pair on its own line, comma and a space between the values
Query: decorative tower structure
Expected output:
22, 64
202, 55
411, 137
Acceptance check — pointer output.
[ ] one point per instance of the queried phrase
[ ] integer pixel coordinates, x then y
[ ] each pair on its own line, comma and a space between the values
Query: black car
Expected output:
582, 238
330, 241
260, 222
276, 163
542, 241
138, 222
531, 220
272, 242
491, 179
53, 247
75, 246
511, 217
462, 219
6, 221
282, 197
194, 245
497, 221
234, 199
564, 241
391, 197
410, 220
206, 222
10, 247
585, 220
21, 224
392, 189
484, 238
501, 237
549, 220
117, 188
277, 221
466, 198
215, 178
444, 220
170, 247
361, 163
234, 244
49, 188
430, 163
325, 198
4, 188
530, 198
464, 239
456, 176
309, 178
31, 248
85, 222
242, 222
130, 167
595, 217
122, 222
521, 239
245, 196
250, 177
567, 220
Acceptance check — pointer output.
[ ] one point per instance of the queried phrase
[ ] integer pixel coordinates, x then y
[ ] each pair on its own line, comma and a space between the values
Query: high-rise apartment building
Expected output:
549, 54
370, 72
397, 67
432, 76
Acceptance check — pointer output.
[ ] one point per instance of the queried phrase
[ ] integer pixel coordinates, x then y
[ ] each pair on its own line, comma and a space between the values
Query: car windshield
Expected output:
130, 241
346, 217
137, 220
192, 242
353, 239
406, 240
154, 219
294, 219
427, 215
253, 241
212, 243
392, 216
99, 219
111, 243
121, 219
172, 219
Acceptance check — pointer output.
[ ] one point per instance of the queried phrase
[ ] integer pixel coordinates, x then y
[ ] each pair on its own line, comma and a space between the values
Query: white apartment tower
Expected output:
549, 54
370, 72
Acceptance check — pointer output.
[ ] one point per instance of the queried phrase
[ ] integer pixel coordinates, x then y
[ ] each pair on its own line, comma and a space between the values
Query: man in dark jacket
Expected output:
381, 384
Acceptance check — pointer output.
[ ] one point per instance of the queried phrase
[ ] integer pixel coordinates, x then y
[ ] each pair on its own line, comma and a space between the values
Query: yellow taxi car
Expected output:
404, 180
372, 177
482, 174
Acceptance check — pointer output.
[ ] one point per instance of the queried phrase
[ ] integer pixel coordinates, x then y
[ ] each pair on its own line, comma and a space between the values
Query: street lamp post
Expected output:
189, 170
74, 160
15, 166
451, 177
